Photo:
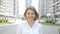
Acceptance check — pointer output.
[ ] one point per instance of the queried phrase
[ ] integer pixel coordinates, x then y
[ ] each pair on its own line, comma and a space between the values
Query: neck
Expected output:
30, 22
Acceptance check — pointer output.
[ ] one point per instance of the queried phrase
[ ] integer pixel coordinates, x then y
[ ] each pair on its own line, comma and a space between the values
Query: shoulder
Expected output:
38, 24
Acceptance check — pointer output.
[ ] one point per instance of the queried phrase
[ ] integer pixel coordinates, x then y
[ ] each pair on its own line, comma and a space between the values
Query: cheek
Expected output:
34, 17
26, 16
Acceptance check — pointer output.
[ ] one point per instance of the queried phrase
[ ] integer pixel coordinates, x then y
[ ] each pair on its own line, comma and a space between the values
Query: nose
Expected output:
30, 14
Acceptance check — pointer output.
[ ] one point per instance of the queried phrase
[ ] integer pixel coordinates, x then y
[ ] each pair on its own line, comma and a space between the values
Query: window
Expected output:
7, 7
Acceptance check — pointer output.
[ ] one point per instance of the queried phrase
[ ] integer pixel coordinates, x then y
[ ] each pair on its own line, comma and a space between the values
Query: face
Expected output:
30, 15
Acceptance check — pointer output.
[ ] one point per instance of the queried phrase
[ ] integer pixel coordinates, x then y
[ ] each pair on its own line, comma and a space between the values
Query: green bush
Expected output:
49, 22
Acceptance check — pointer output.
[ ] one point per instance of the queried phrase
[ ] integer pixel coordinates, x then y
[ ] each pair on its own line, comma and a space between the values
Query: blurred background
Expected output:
11, 12
47, 9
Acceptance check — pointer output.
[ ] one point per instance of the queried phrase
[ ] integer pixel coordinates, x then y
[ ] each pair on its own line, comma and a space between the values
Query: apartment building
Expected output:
50, 8
55, 7
44, 7
8, 7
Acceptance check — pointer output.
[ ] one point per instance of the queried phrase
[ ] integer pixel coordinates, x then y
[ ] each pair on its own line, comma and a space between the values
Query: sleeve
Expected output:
19, 30
40, 30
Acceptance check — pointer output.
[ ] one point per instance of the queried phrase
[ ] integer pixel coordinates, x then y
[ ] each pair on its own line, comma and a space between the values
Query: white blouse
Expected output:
24, 28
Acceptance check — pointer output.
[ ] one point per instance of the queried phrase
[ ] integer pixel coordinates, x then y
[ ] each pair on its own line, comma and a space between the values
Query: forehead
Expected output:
30, 10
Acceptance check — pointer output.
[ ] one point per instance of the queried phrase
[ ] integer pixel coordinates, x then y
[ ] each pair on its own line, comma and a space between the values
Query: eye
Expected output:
28, 13
33, 13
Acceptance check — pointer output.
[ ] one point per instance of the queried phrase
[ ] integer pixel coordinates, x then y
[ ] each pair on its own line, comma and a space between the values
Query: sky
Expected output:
22, 6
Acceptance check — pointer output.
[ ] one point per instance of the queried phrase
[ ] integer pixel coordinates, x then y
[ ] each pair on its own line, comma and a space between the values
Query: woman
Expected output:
30, 26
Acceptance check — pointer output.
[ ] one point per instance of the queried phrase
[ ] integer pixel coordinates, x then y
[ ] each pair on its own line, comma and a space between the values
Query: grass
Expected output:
51, 24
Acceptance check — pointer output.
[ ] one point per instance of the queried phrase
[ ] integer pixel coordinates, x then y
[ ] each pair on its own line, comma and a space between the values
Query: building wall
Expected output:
55, 7
44, 7
8, 7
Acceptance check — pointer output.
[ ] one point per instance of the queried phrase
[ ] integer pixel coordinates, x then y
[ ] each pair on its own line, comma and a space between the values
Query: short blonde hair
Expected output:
32, 8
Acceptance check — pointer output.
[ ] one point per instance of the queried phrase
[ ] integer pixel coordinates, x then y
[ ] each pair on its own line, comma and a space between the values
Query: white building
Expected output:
9, 10
8, 7
50, 7
44, 7
55, 7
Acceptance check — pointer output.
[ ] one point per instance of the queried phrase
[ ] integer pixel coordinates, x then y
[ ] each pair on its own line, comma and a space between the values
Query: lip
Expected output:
30, 17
